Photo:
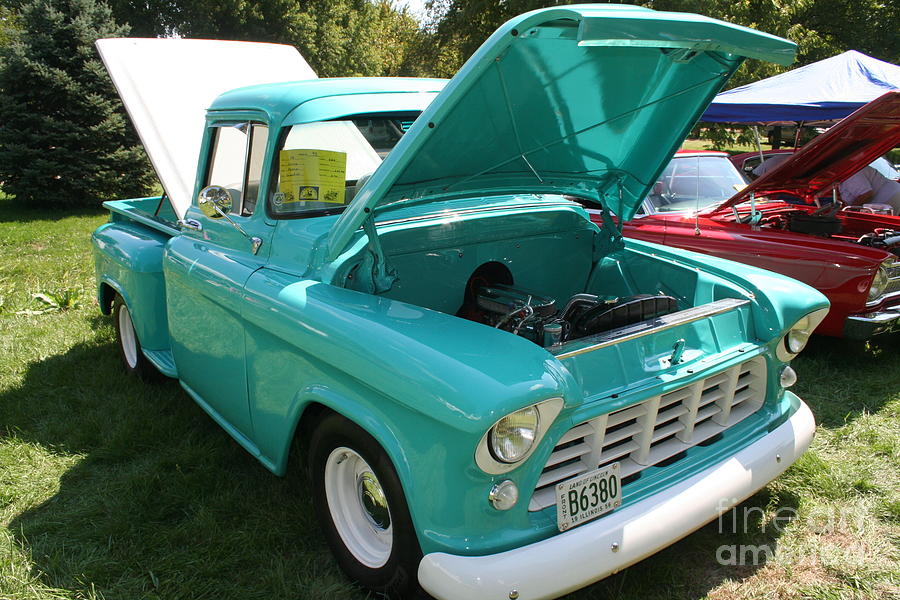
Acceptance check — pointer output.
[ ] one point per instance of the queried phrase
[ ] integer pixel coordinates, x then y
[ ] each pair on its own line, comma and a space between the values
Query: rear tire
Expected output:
362, 509
133, 358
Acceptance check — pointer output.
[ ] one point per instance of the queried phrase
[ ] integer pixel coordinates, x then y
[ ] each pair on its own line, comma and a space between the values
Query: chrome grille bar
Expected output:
656, 429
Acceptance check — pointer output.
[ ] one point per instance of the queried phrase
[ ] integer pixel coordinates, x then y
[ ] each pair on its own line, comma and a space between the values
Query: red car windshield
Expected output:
691, 183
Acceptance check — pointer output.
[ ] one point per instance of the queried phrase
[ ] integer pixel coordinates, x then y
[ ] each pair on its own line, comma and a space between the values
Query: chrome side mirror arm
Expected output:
215, 202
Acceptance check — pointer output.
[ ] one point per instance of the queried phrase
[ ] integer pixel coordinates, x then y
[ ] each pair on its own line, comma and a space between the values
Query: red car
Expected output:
849, 256
748, 161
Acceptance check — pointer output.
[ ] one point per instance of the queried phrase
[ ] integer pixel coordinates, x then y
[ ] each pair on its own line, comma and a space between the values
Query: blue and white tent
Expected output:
822, 91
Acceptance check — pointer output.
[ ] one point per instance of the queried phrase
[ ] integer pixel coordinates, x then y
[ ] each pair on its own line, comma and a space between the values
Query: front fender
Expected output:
459, 372
777, 300
426, 385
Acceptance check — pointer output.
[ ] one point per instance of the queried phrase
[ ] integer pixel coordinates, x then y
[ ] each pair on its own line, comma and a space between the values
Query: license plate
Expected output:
588, 496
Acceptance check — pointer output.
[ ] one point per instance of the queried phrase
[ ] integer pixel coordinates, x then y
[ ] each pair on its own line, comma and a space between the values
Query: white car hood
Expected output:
167, 85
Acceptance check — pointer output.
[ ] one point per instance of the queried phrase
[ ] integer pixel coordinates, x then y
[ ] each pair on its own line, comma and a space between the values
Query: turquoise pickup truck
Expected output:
497, 398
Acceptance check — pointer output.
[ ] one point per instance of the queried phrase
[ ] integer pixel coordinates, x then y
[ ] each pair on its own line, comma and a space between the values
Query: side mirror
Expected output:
214, 201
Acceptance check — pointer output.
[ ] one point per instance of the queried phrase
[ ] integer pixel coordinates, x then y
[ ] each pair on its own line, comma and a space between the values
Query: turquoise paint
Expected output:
777, 303
203, 285
156, 213
549, 109
329, 98
162, 360
413, 375
128, 258
257, 338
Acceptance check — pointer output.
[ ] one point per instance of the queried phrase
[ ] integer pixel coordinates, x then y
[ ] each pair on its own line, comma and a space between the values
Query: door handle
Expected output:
190, 224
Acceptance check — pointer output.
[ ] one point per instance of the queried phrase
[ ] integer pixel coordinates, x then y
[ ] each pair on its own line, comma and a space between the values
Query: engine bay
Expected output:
826, 222
492, 299
886, 239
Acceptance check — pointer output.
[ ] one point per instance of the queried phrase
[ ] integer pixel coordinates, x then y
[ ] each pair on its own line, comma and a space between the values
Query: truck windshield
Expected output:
695, 182
320, 166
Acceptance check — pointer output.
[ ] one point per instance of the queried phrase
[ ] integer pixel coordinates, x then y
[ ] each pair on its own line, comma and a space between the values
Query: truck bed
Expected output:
154, 212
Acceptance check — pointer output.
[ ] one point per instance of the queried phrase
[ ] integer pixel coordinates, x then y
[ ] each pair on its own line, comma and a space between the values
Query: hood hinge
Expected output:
611, 227
373, 275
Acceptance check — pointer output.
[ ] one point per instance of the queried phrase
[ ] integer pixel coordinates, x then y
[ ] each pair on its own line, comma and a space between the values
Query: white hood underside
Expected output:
167, 85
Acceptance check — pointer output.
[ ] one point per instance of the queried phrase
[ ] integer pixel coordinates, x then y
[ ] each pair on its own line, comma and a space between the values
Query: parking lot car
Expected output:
499, 398
700, 203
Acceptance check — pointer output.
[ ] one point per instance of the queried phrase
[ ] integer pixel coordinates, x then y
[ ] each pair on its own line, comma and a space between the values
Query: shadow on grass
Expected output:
843, 379
733, 547
159, 502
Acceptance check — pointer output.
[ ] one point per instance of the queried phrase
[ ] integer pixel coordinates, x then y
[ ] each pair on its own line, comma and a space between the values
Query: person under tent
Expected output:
869, 186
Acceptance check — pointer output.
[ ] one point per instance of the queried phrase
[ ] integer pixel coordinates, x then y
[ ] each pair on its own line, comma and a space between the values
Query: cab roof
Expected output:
281, 99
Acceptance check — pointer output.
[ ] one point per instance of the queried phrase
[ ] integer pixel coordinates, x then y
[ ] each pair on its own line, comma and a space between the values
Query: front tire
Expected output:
133, 358
362, 509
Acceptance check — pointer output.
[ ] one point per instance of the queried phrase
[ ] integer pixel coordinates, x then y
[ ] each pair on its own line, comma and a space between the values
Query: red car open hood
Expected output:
833, 156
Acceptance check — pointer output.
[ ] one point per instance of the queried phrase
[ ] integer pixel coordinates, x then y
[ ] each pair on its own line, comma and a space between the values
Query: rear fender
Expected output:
128, 259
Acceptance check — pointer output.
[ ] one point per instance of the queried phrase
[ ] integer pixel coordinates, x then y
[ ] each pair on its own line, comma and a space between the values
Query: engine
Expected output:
886, 239
537, 318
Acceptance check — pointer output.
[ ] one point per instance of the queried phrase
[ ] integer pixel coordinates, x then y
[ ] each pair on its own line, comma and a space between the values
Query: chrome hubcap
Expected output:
372, 499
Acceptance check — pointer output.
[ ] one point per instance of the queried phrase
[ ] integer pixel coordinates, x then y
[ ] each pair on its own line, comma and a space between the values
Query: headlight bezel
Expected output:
880, 282
547, 411
797, 335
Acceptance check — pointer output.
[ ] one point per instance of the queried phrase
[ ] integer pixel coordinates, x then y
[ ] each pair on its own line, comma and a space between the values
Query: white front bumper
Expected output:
586, 554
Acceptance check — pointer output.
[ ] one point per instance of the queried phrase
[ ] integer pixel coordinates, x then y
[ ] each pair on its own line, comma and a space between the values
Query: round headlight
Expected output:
879, 283
798, 336
513, 435
796, 340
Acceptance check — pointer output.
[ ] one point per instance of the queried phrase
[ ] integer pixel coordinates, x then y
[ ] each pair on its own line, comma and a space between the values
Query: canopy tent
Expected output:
823, 91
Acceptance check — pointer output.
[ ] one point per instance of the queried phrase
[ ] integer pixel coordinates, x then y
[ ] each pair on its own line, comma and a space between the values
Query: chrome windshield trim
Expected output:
630, 332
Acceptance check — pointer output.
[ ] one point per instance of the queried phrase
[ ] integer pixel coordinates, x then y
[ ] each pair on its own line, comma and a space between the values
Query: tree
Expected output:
8, 23
458, 27
821, 28
64, 137
337, 37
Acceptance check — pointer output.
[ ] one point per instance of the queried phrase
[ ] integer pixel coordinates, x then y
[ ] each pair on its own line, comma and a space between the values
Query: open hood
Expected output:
833, 156
587, 100
167, 85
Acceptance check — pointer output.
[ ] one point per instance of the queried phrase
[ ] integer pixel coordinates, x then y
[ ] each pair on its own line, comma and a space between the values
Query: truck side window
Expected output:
236, 161
259, 136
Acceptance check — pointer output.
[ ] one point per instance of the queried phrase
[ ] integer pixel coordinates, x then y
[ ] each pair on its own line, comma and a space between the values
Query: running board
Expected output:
162, 360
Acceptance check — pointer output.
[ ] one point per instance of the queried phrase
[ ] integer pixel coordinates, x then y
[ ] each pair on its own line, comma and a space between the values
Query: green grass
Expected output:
114, 489
734, 149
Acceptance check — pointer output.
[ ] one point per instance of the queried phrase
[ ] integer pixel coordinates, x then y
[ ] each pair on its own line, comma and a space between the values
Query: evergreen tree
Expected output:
64, 138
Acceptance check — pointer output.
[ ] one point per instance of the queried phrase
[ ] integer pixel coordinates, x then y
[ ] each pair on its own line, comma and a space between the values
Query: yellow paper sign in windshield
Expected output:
312, 176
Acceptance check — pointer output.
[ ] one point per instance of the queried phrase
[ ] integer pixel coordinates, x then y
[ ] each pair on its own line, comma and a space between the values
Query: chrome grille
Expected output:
654, 430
